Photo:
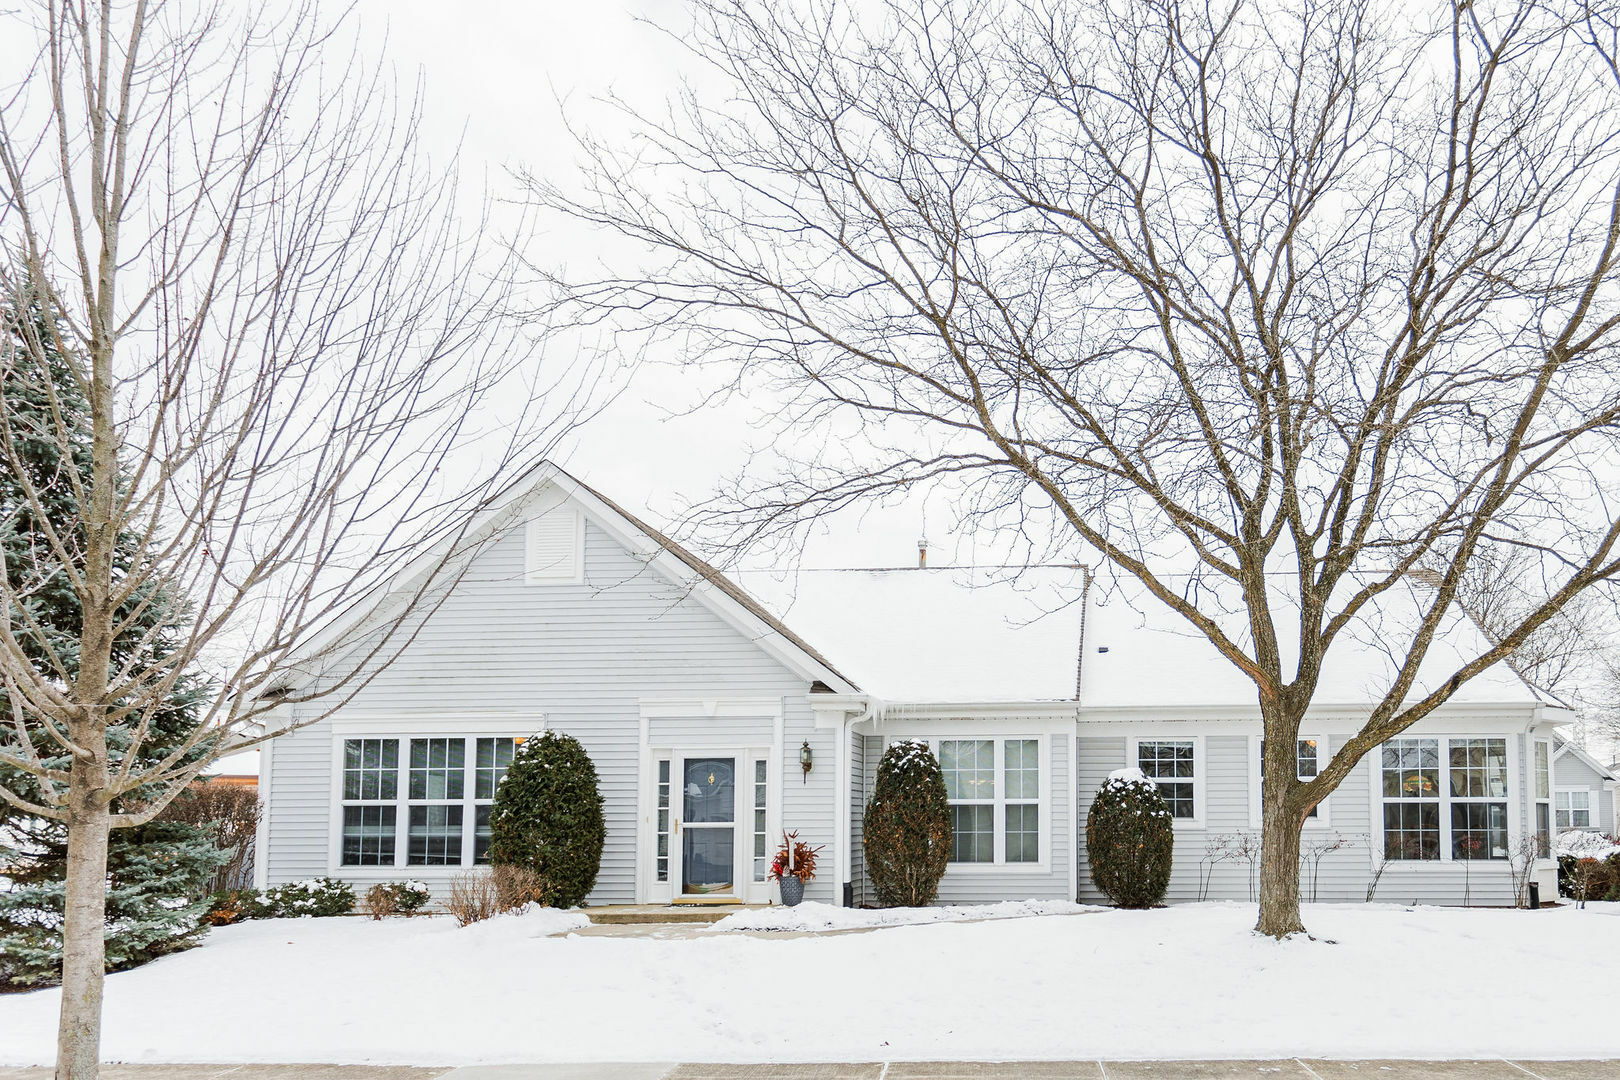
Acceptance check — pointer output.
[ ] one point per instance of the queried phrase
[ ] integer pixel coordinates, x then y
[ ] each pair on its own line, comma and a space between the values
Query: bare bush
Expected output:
474, 897
232, 812
517, 886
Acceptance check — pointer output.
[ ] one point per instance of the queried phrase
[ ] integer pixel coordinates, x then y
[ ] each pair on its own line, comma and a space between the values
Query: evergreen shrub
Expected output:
397, 898
318, 898
548, 818
906, 833
229, 906
1129, 836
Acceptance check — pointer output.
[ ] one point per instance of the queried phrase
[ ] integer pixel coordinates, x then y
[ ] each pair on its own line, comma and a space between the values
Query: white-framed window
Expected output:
1453, 807
442, 799
1175, 766
995, 786
1541, 794
1310, 752
762, 840
1575, 808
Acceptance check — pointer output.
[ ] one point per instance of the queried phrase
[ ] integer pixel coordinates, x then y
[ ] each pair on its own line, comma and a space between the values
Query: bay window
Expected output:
445, 811
994, 790
1469, 808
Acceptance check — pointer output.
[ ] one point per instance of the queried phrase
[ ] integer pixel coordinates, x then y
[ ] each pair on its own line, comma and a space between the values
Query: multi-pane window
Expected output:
762, 863
969, 766
1543, 798
1306, 766
1411, 793
493, 757
1172, 766
370, 788
1479, 808
1466, 809
442, 800
1574, 808
994, 790
663, 819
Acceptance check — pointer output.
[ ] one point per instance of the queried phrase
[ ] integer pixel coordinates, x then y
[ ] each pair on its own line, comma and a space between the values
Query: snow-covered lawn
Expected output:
1187, 981
814, 917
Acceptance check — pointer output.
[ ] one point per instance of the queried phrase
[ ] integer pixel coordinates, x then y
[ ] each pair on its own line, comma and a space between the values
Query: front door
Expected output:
707, 826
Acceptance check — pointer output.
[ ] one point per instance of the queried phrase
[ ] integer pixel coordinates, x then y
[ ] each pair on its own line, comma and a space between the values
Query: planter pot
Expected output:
792, 890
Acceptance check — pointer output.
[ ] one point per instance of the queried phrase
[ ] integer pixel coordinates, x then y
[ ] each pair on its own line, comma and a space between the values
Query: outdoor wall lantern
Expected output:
807, 759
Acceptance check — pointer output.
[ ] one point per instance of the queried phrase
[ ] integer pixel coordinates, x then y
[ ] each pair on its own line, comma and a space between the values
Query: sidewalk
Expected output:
1284, 1069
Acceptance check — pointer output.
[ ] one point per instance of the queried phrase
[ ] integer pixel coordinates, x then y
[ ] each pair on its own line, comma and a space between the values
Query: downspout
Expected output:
842, 777
1074, 758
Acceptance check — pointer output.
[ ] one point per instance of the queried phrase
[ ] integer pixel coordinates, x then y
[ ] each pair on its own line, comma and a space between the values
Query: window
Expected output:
1574, 808
443, 799
1465, 818
762, 863
1411, 792
1543, 799
489, 767
1172, 765
994, 789
1307, 763
370, 788
663, 819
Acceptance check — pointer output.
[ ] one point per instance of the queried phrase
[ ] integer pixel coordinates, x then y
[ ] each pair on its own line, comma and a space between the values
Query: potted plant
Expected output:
795, 864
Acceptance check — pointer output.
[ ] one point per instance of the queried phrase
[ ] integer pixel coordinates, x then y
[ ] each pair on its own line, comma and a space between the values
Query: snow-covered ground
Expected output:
815, 917
1186, 981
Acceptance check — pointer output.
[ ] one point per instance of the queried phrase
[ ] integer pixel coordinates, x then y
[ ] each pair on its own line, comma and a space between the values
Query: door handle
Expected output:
677, 826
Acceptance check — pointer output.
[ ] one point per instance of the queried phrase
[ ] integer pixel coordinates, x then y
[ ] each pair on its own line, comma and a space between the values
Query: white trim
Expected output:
1043, 744
1593, 809
1200, 775
1444, 800
1075, 833
261, 831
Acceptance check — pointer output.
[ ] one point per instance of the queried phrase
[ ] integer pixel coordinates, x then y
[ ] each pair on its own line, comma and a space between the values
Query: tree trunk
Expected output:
84, 950
1280, 826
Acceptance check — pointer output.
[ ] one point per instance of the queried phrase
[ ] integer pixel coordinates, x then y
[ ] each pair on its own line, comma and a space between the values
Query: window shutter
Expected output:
552, 548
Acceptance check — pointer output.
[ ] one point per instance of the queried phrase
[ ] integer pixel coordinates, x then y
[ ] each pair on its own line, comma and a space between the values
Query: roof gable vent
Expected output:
553, 548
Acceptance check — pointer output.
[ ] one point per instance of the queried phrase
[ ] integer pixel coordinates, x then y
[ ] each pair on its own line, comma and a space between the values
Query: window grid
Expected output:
1478, 788
435, 835
761, 861
1574, 808
993, 821
1464, 818
663, 819
1543, 799
492, 757
370, 769
368, 835
1411, 792
1306, 767
370, 778
1170, 764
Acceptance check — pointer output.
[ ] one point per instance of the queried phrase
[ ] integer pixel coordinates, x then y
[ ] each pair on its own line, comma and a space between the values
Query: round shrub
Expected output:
1129, 836
906, 833
547, 817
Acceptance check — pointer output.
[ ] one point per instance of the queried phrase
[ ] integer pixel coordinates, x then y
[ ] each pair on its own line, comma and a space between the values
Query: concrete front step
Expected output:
628, 914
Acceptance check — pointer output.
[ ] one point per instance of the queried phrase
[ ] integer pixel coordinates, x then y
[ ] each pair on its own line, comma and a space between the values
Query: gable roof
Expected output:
706, 584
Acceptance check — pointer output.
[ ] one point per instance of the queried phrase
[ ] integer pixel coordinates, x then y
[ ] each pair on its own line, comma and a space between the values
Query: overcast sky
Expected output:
493, 74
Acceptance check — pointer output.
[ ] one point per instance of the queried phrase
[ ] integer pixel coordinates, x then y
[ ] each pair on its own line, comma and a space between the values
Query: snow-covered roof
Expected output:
939, 634
951, 634
1140, 653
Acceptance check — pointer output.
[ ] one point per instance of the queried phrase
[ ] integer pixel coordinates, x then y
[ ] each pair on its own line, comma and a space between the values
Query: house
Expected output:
720, 711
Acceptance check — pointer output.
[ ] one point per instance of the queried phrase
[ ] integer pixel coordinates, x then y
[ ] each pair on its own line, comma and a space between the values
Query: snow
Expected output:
1189, 981
814, 916
1586, 845
1132, 775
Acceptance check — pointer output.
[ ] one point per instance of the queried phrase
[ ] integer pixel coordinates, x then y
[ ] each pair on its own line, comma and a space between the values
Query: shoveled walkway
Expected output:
1284, 1069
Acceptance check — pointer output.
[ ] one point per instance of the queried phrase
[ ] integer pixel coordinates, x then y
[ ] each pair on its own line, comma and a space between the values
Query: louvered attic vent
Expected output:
553, 548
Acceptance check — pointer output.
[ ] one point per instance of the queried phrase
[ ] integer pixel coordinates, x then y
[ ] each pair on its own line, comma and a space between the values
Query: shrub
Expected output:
1588, 866
1129, 836
516, 886
234, 905
230, 813
548, 818
474, 897
396, 898
906, 832
316, 897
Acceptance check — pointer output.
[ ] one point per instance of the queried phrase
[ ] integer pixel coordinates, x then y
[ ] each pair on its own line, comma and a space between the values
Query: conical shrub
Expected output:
548, 817
906, 833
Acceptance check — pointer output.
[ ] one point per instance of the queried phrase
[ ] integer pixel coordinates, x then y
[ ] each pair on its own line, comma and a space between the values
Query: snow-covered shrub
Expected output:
548, 817
906, 832
1129, 837
397, 898
233, 905
316, 897
1588, 866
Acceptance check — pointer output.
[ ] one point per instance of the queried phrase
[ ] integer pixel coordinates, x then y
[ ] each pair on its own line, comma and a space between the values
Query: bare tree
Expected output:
1268, 304
299, 376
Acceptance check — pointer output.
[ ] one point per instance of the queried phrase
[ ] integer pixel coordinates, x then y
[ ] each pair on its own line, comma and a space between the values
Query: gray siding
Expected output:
580, 658
1570, 771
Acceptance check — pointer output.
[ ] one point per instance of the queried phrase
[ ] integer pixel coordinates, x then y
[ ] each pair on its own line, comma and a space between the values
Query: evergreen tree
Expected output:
548, 818
906, 833
156, 872
1129, 840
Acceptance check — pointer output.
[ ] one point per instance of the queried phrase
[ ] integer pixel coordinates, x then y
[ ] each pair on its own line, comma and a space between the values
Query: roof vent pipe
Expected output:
922, 553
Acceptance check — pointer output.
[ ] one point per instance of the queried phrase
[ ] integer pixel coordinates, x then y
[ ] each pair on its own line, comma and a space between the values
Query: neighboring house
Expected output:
717, 720
1585, 794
